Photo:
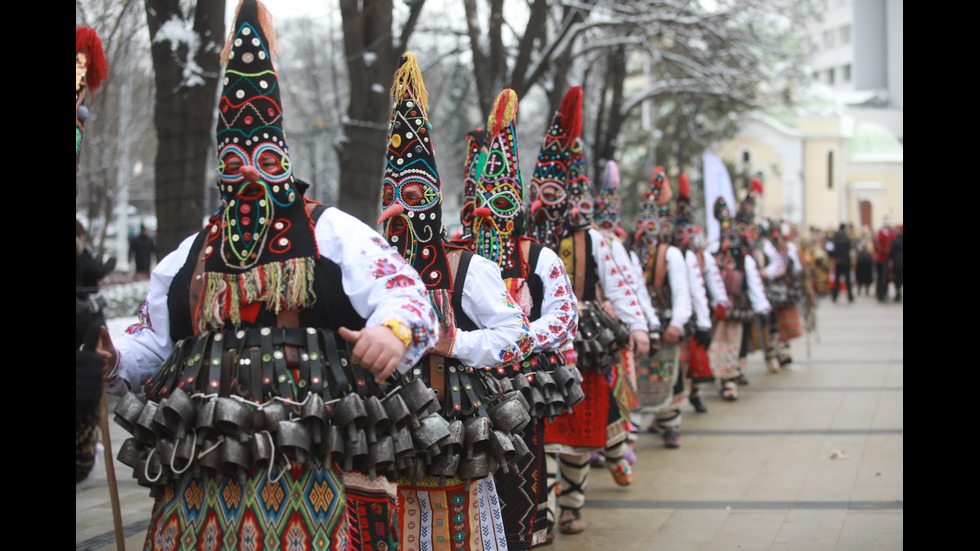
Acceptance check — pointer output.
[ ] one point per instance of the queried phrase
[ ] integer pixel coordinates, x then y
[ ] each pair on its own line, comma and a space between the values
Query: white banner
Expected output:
717, 183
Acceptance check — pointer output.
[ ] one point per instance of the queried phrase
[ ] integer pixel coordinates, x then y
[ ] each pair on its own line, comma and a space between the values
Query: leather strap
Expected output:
437, 375
579, 279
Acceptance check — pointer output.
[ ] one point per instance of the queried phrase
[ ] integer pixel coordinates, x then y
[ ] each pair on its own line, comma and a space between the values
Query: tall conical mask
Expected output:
547, 193
607, 203
411, 190
498, 222
476, 155
684, 227
581, 199
261, 246
653, 221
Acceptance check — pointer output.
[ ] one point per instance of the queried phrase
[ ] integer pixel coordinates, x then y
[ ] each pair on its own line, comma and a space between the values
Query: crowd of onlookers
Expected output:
852, 262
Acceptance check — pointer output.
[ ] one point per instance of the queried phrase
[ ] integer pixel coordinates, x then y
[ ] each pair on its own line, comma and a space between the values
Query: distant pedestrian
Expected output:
882, 243
896, 253
141, 250
842, 265
864, 268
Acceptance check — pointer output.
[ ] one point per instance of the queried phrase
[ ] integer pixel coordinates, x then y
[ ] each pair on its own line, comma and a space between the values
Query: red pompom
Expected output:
571, 113
756, 186
88, 41
684, 186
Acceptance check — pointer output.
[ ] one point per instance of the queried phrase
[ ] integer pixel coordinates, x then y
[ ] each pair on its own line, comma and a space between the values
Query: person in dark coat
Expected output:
896, 254
864, 269
842, 267
141, 249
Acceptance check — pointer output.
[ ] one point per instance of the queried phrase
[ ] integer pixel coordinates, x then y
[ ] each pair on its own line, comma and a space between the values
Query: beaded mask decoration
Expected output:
498, 223
580, 194
476, 155
260, 245
547, 193
654, 222
411, 196
607, 204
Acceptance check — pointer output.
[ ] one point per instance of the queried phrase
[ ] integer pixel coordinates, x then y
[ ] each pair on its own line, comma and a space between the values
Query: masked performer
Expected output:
538, 282
694, 351
561, 208
248, 319
451, 496
743, 284
660, 384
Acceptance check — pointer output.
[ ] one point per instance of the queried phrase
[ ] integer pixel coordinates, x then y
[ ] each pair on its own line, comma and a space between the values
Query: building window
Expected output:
830, 170
845, 73
829, 39
830, 76
845, 34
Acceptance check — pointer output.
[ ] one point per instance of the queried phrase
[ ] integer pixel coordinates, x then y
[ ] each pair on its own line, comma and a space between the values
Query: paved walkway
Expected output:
809, 458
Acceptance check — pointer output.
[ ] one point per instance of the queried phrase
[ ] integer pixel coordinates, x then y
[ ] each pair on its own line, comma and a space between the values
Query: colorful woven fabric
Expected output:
524, 501
656, 377
586, 425
723, 352
302, 510
622, 385
453, 517
372, 511
789, 323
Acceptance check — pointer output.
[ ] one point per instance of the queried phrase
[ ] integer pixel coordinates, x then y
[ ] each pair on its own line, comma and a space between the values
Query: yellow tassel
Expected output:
504, 111
409, 77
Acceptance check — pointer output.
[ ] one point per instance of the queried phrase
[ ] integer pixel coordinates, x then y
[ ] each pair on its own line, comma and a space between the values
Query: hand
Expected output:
672, 335
445, 345
107, 351
376, 349
639, 343
720, 312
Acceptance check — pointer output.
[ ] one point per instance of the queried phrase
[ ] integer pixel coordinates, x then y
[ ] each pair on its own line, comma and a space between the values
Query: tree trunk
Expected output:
184, 117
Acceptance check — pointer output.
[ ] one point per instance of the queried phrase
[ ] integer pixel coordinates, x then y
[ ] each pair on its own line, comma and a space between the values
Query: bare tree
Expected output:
372, 52
186, 41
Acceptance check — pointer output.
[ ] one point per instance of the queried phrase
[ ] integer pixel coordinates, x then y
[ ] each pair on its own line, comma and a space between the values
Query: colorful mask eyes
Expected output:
552, 193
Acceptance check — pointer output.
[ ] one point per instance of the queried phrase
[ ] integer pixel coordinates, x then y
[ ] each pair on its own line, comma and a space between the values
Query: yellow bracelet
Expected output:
400, 330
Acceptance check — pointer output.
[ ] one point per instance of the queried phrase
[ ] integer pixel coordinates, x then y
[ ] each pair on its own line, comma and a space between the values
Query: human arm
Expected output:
615, 286
559, 309
504, 333
713, 282
131, 360
753, 282
382, 288
699, 296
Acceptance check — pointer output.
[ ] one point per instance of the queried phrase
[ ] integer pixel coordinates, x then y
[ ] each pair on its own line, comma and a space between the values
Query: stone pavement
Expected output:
810, 458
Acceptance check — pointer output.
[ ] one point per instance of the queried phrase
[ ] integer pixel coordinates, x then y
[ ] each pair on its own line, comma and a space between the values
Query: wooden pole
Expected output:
110, 474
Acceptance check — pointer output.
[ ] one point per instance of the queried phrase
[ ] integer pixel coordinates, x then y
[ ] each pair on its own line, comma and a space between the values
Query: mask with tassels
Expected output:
411, 190
498, 223
260, 249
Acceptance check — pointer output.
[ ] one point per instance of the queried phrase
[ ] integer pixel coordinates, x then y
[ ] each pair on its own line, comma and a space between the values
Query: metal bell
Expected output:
509, 416
351, 416
356, 451
273, 413
294, 441
502, 448
432, 432
477, 436
128, 411
261, 449
418, 398
144, 425
131, 453
397, 411
476, 467
236, 458
232, 417
381, 455
179, 411
378, 420
314, 415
